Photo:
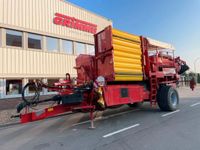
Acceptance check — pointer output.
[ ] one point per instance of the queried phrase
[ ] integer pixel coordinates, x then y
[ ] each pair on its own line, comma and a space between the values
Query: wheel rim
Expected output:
174, 99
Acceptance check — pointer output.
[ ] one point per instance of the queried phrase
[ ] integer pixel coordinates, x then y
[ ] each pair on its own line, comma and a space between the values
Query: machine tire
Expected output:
30, 99
167, 98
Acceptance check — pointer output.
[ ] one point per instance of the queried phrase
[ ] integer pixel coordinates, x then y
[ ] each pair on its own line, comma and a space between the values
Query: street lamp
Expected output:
195, 61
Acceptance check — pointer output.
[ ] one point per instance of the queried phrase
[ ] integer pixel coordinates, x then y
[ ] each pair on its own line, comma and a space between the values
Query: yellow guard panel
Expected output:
127, 56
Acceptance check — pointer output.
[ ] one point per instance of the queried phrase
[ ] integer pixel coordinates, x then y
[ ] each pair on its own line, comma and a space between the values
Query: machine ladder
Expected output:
153, 89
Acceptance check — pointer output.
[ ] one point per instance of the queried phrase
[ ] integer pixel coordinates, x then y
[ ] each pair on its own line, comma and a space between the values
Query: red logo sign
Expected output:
72, 22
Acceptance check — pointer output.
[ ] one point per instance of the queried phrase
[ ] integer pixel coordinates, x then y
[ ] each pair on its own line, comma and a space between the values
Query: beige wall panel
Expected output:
1, 58
20, 62
1, 12
37, 16
29, 63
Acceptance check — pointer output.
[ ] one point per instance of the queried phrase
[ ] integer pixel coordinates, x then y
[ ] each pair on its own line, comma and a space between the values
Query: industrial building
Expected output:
40, 39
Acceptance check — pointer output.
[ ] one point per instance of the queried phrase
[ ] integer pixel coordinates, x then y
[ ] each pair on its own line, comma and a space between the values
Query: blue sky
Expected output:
173, 21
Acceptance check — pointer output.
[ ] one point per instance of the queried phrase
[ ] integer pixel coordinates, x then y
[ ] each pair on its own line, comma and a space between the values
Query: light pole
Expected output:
195, 61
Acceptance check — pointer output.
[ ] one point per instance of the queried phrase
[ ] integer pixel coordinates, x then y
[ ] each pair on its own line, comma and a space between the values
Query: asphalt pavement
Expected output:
123, 128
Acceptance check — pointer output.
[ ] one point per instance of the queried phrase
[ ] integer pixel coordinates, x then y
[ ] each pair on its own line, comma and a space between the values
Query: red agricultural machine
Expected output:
126, 69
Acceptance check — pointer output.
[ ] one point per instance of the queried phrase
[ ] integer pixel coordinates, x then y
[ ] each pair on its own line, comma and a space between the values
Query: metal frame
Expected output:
51, 111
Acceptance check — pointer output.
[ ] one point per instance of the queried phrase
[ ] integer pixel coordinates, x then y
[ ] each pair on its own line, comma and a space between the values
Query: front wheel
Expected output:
167, 98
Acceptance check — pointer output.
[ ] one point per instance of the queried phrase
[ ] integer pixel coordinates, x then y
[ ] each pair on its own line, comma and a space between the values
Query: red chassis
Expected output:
112, 96
52, 111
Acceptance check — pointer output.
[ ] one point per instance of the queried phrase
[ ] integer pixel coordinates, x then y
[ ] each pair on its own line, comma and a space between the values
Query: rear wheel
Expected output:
167, 98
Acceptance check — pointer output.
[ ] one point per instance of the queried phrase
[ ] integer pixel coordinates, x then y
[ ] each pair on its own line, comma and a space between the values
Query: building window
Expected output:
67, 46
52, 44
90, 49
13, 38
13, 87
80, 48
34, 41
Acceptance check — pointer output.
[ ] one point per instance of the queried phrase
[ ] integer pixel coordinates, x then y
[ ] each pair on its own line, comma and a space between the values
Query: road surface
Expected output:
142, 128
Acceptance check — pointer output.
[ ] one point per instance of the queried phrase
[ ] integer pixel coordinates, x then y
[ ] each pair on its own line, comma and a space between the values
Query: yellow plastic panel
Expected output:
117, 41
128, 65
126, 55
128, 78
127, 60
127, 49
126, 40
128, 71
125, 35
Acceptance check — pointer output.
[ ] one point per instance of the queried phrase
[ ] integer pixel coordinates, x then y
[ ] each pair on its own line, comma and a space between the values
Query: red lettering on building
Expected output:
74, 23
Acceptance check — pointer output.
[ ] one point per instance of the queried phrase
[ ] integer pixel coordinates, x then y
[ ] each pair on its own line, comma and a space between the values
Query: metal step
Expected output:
153, 90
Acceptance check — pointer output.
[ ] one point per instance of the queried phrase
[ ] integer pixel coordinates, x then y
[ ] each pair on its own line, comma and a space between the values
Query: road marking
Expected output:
121, 130
80, 123
195, 104
167, 114
118, 114
105, 117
